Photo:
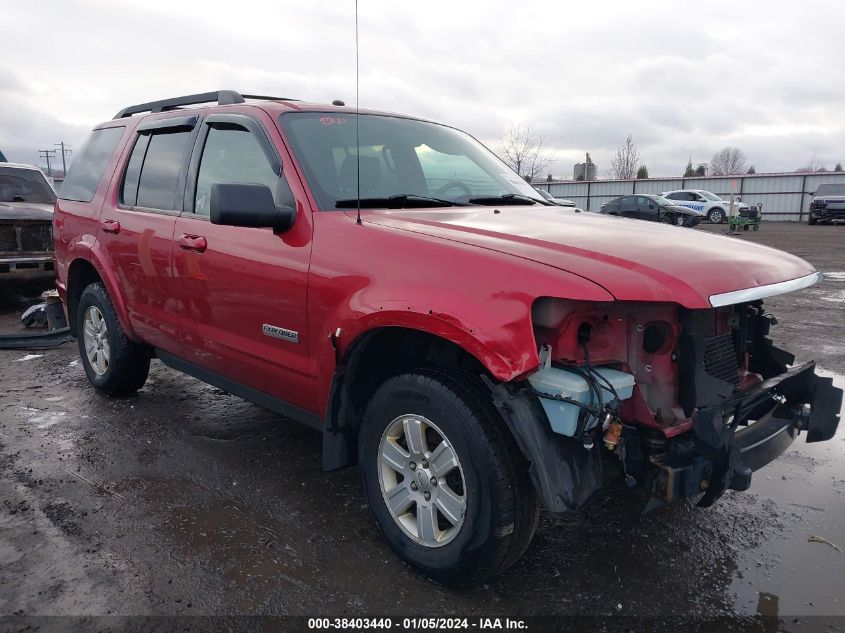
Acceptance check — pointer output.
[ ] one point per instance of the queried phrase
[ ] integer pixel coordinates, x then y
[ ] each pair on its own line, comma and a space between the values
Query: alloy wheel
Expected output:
422, 481
96, 340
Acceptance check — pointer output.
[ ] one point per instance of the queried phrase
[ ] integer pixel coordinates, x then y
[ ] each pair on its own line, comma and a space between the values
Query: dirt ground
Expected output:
185, 500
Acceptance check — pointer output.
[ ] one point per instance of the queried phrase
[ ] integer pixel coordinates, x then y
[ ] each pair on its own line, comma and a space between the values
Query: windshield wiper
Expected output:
508, 198
399, 201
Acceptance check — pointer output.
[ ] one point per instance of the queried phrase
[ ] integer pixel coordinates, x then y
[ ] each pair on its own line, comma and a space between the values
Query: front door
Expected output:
243, 290
646, 208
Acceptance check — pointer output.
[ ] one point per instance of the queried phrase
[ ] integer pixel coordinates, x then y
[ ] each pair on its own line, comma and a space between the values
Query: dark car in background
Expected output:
828, 204
653, 208
560, 202
26, 225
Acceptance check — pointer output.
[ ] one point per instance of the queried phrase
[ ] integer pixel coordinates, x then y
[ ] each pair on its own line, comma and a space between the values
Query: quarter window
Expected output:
87, 169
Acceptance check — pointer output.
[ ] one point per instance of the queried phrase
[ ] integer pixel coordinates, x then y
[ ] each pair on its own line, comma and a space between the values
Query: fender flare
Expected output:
340, 352
91, 254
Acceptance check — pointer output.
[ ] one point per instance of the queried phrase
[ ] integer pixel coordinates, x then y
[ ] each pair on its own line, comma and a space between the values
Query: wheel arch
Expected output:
84, 271
373, 357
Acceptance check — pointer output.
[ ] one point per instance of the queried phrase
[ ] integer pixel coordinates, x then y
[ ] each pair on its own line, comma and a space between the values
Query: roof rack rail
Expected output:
222, 97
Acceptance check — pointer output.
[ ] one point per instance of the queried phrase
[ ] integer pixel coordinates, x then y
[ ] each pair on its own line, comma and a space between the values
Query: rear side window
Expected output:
87, 169
153, 171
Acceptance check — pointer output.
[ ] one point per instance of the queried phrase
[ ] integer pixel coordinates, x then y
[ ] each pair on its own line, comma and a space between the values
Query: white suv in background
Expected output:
712, 205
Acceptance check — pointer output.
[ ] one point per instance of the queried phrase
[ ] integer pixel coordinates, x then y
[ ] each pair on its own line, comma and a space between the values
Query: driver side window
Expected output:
232, 154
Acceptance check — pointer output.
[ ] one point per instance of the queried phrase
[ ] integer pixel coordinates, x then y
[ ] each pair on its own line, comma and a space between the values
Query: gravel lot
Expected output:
185, 500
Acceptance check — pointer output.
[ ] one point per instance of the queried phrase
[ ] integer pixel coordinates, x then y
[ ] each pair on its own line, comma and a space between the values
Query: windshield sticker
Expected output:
332, 120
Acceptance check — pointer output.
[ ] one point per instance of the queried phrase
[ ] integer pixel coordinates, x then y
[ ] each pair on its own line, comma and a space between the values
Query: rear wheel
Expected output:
115, 365
444, 479
716, 215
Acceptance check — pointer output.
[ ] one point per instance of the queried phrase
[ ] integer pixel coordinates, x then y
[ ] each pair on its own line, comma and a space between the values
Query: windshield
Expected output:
663, 201
709, 195
399, 159
831, 190
24, 185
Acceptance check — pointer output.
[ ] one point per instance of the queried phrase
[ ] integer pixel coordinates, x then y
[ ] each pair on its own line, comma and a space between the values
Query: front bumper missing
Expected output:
723, 455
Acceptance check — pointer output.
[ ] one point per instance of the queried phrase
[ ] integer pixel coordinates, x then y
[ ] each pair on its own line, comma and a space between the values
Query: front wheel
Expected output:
716, 215
115, 365
444, 479
811, 220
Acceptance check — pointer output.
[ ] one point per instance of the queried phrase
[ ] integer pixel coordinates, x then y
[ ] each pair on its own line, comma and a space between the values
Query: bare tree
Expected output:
814, 165
727, 162
626, 162
524, 151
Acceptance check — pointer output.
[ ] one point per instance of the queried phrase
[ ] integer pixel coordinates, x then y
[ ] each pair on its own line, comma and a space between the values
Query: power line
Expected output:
65, 151
47, 153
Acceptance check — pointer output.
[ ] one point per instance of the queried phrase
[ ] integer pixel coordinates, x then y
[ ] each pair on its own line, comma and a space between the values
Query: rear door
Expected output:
243, 290
137, 223
628, 206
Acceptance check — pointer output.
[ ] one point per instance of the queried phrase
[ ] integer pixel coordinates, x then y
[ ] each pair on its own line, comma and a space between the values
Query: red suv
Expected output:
390, 282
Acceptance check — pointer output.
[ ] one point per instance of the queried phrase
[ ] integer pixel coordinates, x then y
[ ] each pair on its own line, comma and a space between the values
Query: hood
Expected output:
26, 211
631, 259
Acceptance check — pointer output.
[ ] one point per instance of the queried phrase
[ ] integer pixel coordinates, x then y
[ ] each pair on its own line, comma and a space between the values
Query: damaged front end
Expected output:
712, 401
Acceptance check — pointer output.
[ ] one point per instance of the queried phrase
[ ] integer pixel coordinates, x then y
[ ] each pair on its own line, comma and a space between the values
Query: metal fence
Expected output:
783, 196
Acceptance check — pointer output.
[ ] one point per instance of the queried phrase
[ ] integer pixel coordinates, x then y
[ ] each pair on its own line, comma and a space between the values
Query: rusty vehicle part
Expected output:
26, 216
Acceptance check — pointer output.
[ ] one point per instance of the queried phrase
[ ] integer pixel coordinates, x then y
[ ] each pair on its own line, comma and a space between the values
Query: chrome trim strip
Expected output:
761, 292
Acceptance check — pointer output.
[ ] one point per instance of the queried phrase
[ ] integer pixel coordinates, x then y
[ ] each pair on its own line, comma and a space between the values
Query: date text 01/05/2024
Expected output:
414, 624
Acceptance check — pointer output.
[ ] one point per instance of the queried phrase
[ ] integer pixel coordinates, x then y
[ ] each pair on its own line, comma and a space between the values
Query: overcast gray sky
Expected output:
685, 78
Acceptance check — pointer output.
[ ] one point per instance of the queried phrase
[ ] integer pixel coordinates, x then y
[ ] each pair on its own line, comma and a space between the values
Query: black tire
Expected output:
129, 362
811, 220
716, 215
501, 504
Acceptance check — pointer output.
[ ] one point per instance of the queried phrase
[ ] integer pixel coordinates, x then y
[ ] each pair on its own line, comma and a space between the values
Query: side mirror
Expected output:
249, 206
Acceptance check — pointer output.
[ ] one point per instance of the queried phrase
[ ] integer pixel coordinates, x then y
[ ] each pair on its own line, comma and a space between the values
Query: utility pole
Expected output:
47, 153
65, 151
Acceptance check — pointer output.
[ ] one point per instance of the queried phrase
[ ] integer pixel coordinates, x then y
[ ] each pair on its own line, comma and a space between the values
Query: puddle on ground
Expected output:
43, 419
808, 485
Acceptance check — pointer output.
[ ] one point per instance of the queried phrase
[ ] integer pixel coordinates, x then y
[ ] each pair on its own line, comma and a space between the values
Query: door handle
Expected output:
195, 243
110, 226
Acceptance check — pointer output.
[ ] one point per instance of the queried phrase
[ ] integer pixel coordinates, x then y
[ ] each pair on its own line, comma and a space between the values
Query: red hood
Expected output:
631, 259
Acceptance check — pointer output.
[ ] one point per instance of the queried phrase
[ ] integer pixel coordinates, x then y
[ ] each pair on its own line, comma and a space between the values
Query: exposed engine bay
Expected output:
680, 402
